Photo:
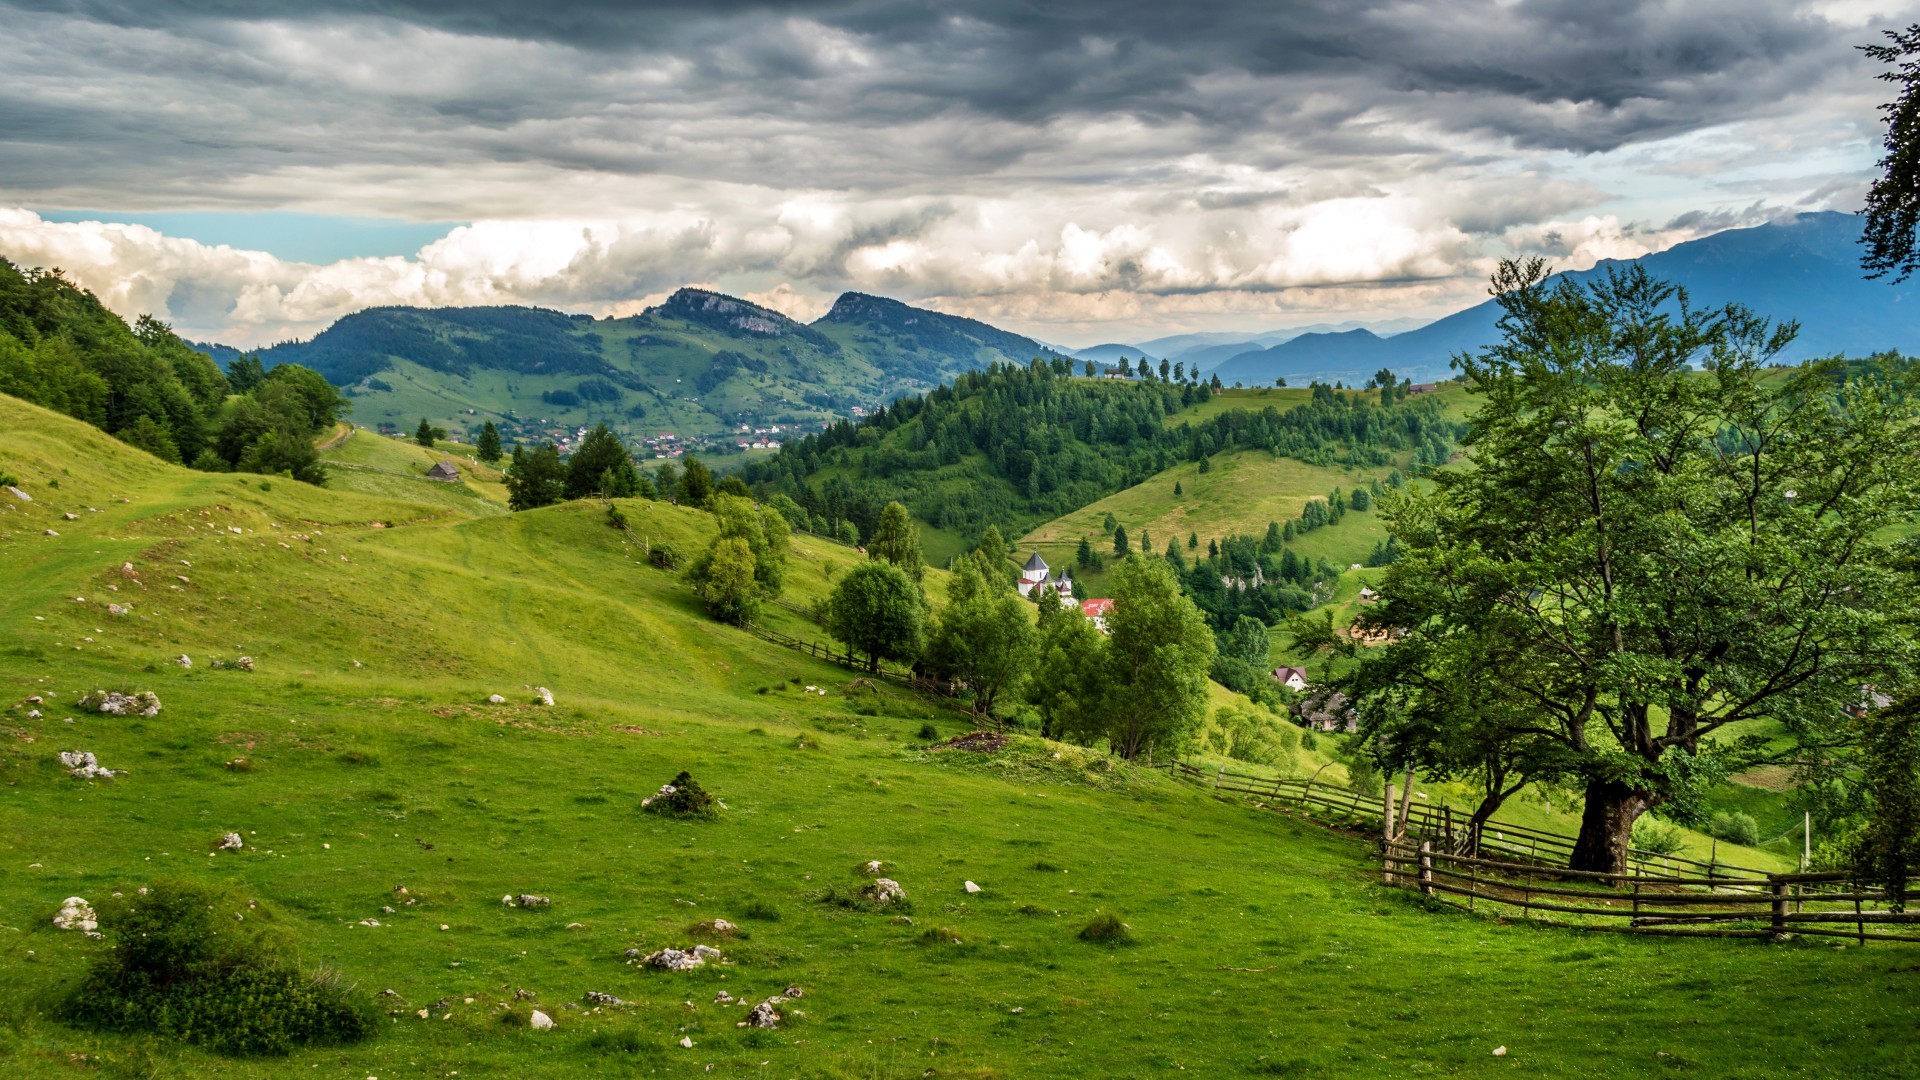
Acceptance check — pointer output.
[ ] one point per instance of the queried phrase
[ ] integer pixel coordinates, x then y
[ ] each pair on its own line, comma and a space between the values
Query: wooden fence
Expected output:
1447, 829
1816, 905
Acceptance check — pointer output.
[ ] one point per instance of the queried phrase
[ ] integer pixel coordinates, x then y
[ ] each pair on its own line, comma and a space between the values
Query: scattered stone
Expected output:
525, 900
686, 1041
35, 699
389, 992
496, 699
971, 887
18, 494
595, 997
542, 695
244, 663
231, 842
671, 959
764, 1015
792, 992
723, 998
884, 891
116, 609
71, 516
1499, 1051
83, 766
369, 922
50, 532
576, 926
722, 926
540, 1021
902, 920
113, 702
184, 661
978, 742
33, 714
874, 867
632, 954
76, 914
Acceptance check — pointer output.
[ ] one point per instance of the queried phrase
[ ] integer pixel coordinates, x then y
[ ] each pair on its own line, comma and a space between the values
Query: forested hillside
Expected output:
700, 365
1014, 446
60, 348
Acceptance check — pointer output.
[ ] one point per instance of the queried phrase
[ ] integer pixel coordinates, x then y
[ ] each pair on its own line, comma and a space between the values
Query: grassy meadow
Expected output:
382, 612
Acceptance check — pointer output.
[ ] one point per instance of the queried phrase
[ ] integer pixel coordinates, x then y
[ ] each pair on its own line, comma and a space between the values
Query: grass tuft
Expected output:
1106, 929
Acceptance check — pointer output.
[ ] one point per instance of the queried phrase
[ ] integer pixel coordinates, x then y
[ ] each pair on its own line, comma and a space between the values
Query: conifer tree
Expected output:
489, 445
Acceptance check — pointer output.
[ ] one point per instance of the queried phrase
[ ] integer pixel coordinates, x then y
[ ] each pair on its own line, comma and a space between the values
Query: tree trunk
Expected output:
1606, 826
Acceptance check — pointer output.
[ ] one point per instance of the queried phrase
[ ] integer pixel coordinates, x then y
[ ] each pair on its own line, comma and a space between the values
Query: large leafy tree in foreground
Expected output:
1153, 669
1649, 571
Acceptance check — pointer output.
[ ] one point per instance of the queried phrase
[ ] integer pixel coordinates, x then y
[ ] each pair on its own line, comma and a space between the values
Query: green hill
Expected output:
700, 366
361, 757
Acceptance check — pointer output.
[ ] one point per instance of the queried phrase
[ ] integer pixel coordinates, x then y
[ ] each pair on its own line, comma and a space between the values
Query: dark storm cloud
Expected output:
1570, 74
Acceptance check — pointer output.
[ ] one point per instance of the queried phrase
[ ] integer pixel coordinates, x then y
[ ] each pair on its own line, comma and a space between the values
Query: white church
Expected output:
1034, 576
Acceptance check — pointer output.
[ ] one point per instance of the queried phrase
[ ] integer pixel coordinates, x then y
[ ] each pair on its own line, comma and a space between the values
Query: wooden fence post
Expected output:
1779, 890
1426, 868
1386, 815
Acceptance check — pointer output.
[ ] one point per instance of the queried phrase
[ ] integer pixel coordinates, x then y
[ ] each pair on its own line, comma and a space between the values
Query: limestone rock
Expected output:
496, 699
525, 900
884, 891
83, 766
595, 997
231, 842
76, 914
540, 1021
542, 695
50, 532
70, 516
686, 1042
764, 1015
671, 959
244, 663
115, 703
184, 661
971, 887
116, 609
18, 494
792, 992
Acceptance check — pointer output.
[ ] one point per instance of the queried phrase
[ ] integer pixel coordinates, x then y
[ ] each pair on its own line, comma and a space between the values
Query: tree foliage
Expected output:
535, 477
879, 612
896, 539
1893, 202
1647, 562
1158, 651
984, 637
601, 466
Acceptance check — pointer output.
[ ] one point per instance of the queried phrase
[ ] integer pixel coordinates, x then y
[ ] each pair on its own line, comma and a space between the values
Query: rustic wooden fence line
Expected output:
1813, 904
1448, 829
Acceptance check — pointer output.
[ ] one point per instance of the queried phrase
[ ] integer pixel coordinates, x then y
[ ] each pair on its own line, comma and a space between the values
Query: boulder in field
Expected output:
542, 695
76, 914
540, 1021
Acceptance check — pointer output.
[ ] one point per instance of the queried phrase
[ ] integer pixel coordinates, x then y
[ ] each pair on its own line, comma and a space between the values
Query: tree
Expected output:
666, 480
1090, 369
1158, 652
846, 533
1893, 201
426, 433
766, 534
1177, 492
1649, 568
879, 612
535, 478
152, 436
489, 445
984, 638
1083, 555
996, 558
896, 539
245, 373
696, 482
724, 577
1120, 541
601, 466
1064, 686
1360, 500
284, 453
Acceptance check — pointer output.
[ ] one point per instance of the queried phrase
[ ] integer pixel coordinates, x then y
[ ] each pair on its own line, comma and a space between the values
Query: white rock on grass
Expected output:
76, 914
542, 695
525, 900
971, 887
115, 703
184, 661
18, 494
231, 842
496, 699
764, 1015
82, 765
540, 1021
686, 1042
884, 891
671, 959
244, 663
874, 867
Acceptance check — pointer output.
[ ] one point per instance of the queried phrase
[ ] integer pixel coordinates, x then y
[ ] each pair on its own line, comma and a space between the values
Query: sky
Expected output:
1080, 172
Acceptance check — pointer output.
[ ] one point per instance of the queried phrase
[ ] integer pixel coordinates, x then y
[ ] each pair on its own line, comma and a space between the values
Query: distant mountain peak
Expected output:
718, 309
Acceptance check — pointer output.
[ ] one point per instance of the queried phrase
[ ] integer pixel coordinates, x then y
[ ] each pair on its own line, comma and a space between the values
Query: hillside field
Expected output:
379, 626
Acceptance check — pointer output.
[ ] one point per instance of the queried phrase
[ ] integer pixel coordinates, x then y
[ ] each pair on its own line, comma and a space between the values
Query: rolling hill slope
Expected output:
361, 756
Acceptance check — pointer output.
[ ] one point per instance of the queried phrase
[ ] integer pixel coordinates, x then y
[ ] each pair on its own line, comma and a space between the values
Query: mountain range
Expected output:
716, 370
698, 365
1805, 268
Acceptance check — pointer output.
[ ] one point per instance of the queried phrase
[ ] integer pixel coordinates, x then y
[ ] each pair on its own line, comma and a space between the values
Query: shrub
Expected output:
1655, 837
664, 556
615, 518
1106, 929
184, 966
1735, 828
359, 757
1046, 867
928, 732
681, 798
760, 911
940, 935
625, 1041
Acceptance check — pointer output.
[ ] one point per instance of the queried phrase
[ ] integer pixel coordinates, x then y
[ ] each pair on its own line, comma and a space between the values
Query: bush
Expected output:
664, 556
1655, 837
682, 798
615, 518
928, 732
1735, 828
1106, 929
940, 935
190, 963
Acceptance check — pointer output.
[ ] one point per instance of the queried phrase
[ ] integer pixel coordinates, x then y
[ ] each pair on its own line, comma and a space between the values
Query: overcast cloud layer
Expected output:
1078, 171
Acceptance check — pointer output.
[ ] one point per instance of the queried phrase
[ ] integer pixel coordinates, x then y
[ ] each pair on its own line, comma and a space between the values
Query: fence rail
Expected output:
1817, 905
1449, 829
